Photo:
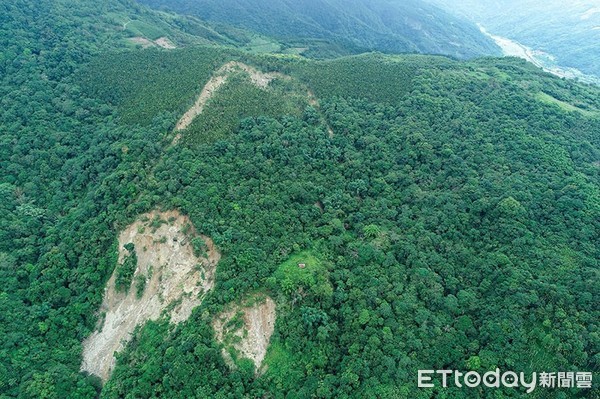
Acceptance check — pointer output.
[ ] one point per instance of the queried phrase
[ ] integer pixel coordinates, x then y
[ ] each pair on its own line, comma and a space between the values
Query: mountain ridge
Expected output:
382, 25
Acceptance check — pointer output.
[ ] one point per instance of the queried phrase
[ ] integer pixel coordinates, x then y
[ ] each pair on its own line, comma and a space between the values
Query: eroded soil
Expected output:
251, 339
170, 275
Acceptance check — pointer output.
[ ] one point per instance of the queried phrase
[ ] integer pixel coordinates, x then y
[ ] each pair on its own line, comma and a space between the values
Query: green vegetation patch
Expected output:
126, 269
140, 28
145, 84
140, 285
373, 77
282, 371
302, 272
239, 99
565, 106
262, 45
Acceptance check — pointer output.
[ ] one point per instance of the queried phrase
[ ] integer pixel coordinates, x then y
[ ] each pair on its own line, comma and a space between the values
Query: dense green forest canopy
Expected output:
451, 220
357, 25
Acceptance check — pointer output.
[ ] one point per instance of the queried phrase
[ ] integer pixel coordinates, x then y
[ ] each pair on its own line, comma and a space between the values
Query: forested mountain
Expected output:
412, 26
403, 212
567, 31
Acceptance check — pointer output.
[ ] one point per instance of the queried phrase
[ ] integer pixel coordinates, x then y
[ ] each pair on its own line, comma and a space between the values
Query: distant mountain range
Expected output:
349, 26
565, 33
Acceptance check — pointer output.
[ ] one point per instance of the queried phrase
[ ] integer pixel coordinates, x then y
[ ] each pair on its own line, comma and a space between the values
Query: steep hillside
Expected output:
245, 331
451, 195
397, 212
358, 25
163, 267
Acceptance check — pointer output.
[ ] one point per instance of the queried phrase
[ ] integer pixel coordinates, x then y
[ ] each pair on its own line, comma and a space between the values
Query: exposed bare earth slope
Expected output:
170, 275
163, 42
251, 339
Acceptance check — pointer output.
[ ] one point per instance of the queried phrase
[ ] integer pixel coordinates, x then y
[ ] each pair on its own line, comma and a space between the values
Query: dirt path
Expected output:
171, 276
258, 78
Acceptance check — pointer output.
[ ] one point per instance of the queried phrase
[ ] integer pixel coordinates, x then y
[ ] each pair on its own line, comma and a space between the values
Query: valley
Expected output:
540, 59
565, 32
